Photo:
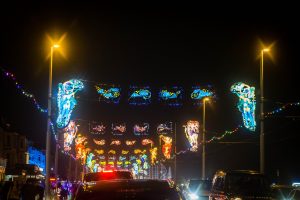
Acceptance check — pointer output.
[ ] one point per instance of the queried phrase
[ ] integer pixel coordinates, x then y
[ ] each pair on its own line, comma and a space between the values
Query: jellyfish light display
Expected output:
191, 130
246, 103
66, 101
69, 135
165, 128
109, 94
141, 129
198, 93
167, 146
171, 96
139, 95
118, 128
97, 128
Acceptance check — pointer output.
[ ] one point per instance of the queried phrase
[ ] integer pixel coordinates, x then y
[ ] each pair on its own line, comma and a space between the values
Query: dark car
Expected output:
294, 194
240, 184
280, 192
197, 189
108, 175
128, 189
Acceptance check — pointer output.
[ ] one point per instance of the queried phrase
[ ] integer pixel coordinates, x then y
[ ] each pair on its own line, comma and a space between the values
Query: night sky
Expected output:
160, 46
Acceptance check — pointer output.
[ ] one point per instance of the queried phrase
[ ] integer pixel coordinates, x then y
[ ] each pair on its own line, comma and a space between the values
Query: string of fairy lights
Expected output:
29, 95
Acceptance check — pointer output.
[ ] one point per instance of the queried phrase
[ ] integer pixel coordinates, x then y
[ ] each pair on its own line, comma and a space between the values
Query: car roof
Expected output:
224, 172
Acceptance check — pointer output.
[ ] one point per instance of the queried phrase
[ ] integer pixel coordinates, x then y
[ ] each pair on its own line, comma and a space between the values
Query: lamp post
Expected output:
48, 136
203, 139
262, 134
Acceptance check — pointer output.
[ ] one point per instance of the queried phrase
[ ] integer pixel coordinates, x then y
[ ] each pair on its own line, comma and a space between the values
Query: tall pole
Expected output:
175, 166
203, 142
262, 135
48, 136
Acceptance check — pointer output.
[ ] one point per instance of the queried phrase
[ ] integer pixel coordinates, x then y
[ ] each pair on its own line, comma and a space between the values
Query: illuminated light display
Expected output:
66, 100
90, 162
97, 128
23, 92
118, 128
139, 95
246, 103
147, 141
191, 130
198, 93
37, 157
111, 152
141, 129
99, 142
125, 152
115, 142
99, 151
167, 146
109, 94
80, 146
282, 108
153, 155
171, 96
130, 142
69, 135
139, 151
223, 135
165, 128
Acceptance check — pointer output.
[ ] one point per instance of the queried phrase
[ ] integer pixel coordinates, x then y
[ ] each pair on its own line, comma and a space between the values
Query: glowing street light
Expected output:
206, 99
48, 136
262, 134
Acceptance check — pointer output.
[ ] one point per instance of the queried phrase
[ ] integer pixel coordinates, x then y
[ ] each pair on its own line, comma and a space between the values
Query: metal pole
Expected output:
48, 136
175, 167
203, 142
262, 135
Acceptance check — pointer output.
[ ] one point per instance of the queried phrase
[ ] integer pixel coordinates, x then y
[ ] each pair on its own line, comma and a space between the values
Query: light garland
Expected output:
24, 92
224, 134
282, 108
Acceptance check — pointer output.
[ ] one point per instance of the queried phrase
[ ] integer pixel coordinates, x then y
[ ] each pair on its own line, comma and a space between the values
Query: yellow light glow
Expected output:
56, 45
206, 99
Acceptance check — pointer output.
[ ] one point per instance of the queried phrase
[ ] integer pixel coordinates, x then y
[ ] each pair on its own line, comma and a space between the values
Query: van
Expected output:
240, 185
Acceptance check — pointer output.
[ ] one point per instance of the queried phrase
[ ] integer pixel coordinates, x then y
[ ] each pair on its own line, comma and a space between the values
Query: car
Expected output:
128, 189
281, 191
108, 175
294, 194
197, 189
240, 184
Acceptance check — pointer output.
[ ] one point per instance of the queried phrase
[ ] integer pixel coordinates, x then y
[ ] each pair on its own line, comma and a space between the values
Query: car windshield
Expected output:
200, 185
247, 183
128, 190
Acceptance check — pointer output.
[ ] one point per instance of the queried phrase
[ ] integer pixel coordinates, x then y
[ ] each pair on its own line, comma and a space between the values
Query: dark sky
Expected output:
159, 46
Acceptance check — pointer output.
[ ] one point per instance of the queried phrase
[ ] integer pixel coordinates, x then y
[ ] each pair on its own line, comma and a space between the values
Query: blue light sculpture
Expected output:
66, 100
109, 94
37, 157
139, 96
246, 103
171, 96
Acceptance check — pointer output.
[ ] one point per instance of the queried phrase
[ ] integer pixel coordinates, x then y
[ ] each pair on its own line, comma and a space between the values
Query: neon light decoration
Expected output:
191, 130
109, 94
167, 146
147, 141
97, 128
118, 128
37, 157
153, 155
66, 100
115, 142
111, 152
69, 135
139, 95
90, 162
141, 129
80, 146
130, 142
139, 151
246, 103
171, 96
99, 142
165, 128
198, 93
125, 152
99, 151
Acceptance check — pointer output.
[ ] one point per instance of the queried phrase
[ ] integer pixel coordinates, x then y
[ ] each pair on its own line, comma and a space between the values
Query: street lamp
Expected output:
203, 139
262, 135
48, 136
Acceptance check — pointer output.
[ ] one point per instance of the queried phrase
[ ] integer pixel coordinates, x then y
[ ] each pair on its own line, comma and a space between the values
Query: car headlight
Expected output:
193, 196
236, 198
